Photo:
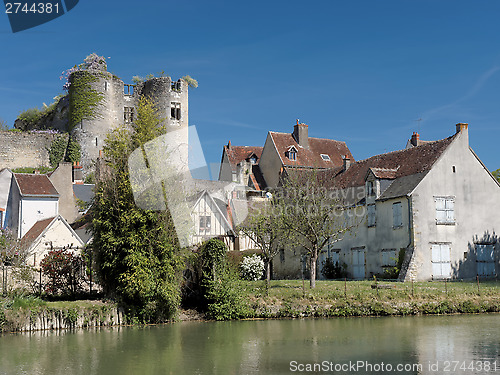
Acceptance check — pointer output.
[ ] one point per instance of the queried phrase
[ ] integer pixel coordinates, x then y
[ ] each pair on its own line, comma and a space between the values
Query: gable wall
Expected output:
270, 163
477, 207
58, 236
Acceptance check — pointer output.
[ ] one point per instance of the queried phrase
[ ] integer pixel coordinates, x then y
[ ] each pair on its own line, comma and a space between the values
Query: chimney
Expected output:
462, 126
229, 145
300, 133
415, 138
77, 173
346, 162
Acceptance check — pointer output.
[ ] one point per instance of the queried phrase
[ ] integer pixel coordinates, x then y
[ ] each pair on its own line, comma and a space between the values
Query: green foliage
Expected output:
393, 272
496, 174
136, 251
28, 302
64, 271
90, 178
190, 81
220, 284
73, 150
57, 150
32, 116
41, 170
333, 270
62, 148
84, 100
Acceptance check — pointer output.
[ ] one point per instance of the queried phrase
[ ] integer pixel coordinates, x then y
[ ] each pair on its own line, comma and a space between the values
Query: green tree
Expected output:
266, 227
136, 251
314, 214
496, 174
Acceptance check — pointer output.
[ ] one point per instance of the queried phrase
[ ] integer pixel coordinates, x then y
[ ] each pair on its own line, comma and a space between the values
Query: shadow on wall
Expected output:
482, 258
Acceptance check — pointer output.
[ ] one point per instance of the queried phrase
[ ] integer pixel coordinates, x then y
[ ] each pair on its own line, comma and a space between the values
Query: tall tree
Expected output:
264, 225
136, 251
315, 214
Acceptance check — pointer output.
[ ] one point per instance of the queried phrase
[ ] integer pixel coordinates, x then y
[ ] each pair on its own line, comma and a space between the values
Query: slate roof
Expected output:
35, 185
393, 165
236, 154
311, 157
84, 191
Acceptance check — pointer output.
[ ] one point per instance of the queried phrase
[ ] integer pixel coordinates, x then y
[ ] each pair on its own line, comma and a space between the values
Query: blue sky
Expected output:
362, 72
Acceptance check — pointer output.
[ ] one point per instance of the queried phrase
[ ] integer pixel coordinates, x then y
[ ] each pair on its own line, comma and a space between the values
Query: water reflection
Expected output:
260, 347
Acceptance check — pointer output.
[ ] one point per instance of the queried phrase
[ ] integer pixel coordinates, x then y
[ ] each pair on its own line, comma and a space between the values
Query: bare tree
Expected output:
316, 212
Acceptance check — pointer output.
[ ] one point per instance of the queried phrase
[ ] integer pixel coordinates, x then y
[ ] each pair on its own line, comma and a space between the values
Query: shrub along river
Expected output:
458, 344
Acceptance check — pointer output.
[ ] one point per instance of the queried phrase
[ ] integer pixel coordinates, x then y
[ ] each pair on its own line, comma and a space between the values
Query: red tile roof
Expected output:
236, 154
311, 157
35, 231
393, 164
35, 184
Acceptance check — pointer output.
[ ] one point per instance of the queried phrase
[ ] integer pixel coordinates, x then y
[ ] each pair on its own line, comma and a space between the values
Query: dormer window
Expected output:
370, 189
253, 159
325, 157
291, 153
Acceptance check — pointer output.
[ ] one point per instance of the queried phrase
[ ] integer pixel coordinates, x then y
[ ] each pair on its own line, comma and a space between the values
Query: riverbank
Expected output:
293, 298
286, 299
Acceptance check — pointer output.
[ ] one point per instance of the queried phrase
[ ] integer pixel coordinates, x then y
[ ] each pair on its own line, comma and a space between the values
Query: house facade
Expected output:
434, 204
49, 234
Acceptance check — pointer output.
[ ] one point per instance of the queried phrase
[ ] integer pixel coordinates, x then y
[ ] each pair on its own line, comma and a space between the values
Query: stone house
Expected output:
433, 203
298, 150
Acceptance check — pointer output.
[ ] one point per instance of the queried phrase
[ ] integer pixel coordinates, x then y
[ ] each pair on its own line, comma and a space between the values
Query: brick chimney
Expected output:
301, 134
346, 162
77, 173
462, 126
415, 138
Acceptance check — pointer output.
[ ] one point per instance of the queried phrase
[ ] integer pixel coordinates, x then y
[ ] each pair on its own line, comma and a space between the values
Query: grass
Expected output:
292, 298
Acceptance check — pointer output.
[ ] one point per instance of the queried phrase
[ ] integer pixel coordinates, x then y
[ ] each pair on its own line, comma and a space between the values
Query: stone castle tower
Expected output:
118, 106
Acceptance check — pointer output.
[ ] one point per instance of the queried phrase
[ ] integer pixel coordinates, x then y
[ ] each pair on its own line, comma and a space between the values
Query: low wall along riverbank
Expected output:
286, 299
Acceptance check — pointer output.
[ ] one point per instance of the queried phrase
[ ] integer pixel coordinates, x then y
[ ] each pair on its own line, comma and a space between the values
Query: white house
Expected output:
31, 197
49, 234
433, 202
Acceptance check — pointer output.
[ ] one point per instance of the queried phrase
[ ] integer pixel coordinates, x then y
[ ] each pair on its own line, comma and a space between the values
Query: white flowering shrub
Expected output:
252, 267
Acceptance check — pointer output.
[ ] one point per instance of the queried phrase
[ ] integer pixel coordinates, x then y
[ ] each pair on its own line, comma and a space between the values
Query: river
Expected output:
459, 344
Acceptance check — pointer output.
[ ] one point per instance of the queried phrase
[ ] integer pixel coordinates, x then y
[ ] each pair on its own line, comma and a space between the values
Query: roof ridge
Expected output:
406, 149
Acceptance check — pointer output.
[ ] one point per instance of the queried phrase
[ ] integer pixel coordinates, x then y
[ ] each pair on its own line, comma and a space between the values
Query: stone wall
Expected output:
25, 149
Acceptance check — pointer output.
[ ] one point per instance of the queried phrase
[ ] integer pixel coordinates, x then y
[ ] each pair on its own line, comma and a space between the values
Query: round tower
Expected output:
96, 106
171, 100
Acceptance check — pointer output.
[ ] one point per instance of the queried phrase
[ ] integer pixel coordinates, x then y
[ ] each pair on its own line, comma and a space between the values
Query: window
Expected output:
397, 215
370, 189
234, 177
253, 159
372, 215
128, 114
175, 111
325, 157
388, 257
205, 222
445, 210
291, 153
441, 261
485, 259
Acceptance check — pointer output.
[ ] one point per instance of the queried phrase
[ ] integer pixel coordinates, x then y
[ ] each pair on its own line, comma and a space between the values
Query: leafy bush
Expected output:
64, 270
220, 283
252, 268
333, 270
